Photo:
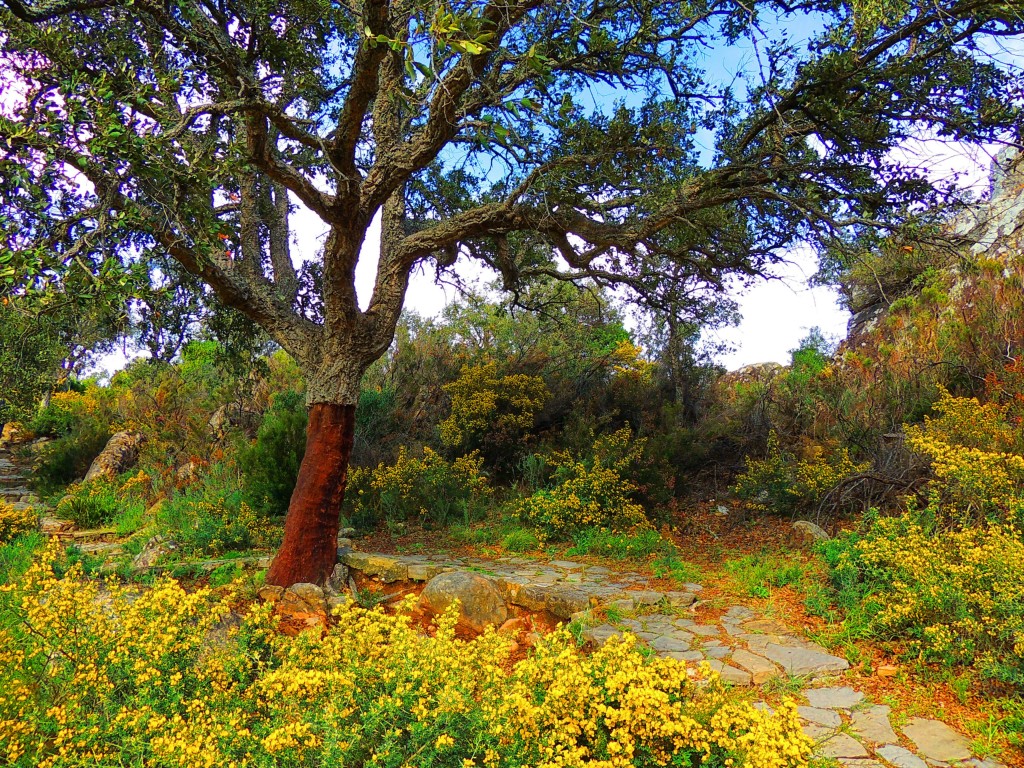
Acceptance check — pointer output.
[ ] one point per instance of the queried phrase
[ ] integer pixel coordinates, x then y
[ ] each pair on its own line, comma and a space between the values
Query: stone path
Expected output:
744, 647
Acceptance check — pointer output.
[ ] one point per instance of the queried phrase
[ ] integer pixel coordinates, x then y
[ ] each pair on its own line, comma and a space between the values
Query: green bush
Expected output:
270, 465
67, 458
520, 540
90, 505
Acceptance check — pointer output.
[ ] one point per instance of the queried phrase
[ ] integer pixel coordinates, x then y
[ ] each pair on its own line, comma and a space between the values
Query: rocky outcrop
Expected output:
119, 455
480, 603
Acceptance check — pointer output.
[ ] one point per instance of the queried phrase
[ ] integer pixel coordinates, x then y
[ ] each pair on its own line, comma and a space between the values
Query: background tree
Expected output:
194, 127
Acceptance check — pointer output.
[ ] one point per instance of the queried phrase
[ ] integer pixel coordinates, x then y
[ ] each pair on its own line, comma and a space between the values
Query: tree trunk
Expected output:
309, 550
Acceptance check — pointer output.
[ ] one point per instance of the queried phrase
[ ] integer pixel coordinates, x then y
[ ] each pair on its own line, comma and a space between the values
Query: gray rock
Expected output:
804, 661
646, 596
667, 643
872, 725
566, 565
900, 757
841, 745
810, 531
425, 571
680, 599
740, 613
383, 567
761, 670
729, 673
338, 580
704, 630
119, 455
480, 603
600, 635
936, 740
826, 717
564, 601
834, 698
684, 655
716, 651
623, 605
152, 551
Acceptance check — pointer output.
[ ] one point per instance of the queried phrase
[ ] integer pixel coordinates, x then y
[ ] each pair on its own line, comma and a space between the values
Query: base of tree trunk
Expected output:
310, 547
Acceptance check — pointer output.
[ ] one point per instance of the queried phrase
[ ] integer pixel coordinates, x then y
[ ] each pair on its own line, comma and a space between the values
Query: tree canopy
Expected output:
133, 131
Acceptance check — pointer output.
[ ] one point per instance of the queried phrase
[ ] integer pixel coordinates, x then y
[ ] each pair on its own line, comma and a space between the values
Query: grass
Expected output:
520, 540
758, 575
16, 555
618, 546
671, 566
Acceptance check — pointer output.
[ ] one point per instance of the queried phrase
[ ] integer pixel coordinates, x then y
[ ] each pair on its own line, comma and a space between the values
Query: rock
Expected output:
646, 596
120, 453
936, 740
480, 603
514, 626
52, 526
826, 717
622, 605
425, 571
600, 635
532, 597
804, 661
383, 567
810, 532
566, 565
834, 698
270, 593
887, 670
841, 745
12, 433
564, 601
872, 725
900, 757
668, 643
309, 595
188, 473
152, 551
740, 613
681, 599
761, 670
347, 533
728, 673
338, 580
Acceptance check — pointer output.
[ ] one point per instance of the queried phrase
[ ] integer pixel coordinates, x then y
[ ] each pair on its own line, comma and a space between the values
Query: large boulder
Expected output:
480, 603
119, 455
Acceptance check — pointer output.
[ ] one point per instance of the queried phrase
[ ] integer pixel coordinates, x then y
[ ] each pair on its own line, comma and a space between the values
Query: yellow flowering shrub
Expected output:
595, 492
975, 455
486, 401
954, 596
93, 674
781, 483
14, 522
426, 487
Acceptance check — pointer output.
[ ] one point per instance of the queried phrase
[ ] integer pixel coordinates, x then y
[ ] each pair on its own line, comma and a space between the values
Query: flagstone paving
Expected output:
743, 646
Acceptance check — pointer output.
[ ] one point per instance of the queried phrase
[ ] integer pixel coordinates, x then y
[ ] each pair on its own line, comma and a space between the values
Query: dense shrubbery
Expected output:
424, 488
138, 678
782, 483
589, 493
271, 464
14, 522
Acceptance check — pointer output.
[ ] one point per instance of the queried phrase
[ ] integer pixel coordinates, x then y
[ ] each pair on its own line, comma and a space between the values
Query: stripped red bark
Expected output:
309, 550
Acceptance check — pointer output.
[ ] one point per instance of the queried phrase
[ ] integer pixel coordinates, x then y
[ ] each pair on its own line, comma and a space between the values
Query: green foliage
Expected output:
520, 540
271, 464
212, 518
638, 545
757, 575
782, 483
428, 488
16, 555
669, 565
90, 505
953, 597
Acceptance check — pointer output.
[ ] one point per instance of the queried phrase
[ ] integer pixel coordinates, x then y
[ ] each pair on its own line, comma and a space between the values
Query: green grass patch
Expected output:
618, 546
520, 540
16, 555
758, 575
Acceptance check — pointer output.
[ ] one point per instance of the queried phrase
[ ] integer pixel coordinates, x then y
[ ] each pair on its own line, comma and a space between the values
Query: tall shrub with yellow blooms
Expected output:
99, 674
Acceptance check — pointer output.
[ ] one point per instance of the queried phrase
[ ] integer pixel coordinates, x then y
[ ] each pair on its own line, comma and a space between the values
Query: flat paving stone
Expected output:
691, 656
601, 634
841, 745
833, 698
804, 661
716, 651
729, 673
740, 613
936, 740
826, 717
566, 565
704, 630
872, 725
761, 670
666, 643
901, 757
